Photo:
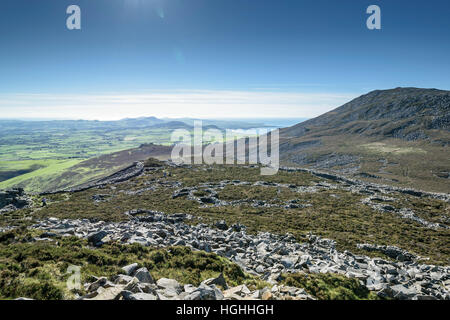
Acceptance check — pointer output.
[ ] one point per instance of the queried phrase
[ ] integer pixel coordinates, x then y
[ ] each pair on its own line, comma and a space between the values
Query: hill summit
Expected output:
399, 135
405, 113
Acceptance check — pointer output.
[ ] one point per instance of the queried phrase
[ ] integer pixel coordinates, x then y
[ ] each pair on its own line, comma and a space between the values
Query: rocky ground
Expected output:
268, 256
11, 200
265, 255
398, 136
377, 199
138, 284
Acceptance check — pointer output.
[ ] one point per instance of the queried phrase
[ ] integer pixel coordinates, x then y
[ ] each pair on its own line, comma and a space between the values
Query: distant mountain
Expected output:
173, 125
399, 136
27, 125
228, 124
7, 125
405, 113
143, 121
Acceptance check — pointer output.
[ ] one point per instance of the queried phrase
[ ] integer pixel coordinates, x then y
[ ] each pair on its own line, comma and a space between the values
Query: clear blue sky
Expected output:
156, 57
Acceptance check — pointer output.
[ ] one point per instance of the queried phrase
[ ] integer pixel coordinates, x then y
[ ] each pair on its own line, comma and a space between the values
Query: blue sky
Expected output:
213, 58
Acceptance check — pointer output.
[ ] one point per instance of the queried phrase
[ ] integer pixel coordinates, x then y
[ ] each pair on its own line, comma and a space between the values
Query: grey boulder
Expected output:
144, 276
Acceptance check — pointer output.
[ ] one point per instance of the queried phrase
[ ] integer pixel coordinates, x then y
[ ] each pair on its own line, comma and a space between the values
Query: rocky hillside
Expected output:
196, 232
397, 136
91, 171
404, 113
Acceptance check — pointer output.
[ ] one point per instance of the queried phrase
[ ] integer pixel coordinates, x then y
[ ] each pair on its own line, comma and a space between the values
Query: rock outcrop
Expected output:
13, 199
265, 255
139, 285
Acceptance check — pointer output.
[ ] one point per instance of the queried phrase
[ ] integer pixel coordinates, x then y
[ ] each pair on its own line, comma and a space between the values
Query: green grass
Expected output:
329, 286
334, 214
39, 160
46, 170
80, 144
411, 164
50, 175
38, 269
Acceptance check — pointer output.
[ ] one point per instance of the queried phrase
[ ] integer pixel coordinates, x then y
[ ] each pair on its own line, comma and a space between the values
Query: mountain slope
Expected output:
404, 113
398, 136
75, 173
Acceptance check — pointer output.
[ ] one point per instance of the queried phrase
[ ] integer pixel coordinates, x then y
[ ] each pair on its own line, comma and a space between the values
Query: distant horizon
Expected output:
204, 104
181, 100
237, 119
213, 59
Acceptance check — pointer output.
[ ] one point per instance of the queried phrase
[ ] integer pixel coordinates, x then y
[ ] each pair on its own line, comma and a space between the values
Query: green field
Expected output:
45, 170
47, 155
31, 160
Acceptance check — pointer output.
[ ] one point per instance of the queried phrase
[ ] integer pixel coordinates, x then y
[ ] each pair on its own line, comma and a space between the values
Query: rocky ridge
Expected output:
403, 113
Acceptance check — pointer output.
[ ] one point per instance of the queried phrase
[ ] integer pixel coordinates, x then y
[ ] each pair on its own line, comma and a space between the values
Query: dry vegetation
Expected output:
335, 214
